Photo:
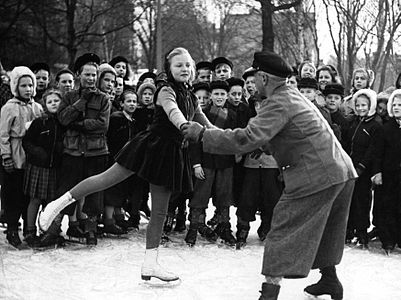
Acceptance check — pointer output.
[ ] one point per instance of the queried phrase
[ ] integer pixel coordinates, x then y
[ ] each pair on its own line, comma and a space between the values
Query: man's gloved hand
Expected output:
8, 164
192, 131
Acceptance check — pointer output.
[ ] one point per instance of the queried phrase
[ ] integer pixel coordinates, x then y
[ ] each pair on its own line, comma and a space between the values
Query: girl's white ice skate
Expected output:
151, 268
52, 209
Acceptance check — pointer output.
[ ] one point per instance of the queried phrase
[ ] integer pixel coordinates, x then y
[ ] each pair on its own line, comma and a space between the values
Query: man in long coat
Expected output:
309, 221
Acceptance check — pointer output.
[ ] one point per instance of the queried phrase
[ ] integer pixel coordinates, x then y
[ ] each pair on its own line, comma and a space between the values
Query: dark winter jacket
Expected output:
242, 114
363, 143
391, 147
342, 123
43, 142
85, 114
214, 161
121, 130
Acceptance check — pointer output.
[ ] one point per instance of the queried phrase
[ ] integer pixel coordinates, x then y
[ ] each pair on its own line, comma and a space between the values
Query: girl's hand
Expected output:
8, 164
199, 173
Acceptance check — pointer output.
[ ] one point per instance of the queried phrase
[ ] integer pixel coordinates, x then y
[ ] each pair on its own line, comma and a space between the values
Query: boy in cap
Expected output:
249, 77
85, 113
222, 68
213, 170
202, 92
120, 64
42, 73
309, 220
309, 87
334, 93
204, 72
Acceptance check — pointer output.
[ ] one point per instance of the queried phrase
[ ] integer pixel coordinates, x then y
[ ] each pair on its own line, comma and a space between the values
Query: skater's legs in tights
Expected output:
113, 175
160, 198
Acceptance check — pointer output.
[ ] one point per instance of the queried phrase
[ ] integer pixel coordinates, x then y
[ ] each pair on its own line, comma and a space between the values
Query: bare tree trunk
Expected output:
384, 66
71, 39
267, 26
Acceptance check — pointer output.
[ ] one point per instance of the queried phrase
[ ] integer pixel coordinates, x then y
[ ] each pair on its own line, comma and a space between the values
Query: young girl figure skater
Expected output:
158, 155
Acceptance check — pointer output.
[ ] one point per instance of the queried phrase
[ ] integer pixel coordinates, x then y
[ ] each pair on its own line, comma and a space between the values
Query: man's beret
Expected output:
84, 59
118, 59
333, 88
40, 66
201, 86
271, 63
219, 84
204, 65
221, 60
235, 81
307, 82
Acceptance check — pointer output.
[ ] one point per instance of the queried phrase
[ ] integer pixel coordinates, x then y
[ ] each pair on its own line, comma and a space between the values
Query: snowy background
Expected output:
111, 270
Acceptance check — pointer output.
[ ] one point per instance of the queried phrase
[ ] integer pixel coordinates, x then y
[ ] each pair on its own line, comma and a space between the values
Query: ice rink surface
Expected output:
111, 270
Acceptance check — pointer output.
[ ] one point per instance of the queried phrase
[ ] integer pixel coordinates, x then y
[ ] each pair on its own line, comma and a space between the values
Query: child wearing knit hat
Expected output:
14, 115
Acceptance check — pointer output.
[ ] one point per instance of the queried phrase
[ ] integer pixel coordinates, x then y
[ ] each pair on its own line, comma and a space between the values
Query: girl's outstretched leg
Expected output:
113, 175
151, 268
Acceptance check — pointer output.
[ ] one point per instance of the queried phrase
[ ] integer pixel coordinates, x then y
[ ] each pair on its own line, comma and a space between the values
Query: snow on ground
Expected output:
111, 270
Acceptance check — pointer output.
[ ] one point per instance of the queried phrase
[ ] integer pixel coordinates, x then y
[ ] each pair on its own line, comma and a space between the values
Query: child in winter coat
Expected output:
122, 129
388, 210
213, 170
144, 117
362, 144
14, 115
43, 145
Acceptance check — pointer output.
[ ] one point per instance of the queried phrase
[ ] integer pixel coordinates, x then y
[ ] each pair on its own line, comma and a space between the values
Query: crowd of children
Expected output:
55, 134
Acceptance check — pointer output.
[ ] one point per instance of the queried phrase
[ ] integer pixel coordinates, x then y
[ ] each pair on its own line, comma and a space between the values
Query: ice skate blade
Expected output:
149, 277
157, 283
333, 297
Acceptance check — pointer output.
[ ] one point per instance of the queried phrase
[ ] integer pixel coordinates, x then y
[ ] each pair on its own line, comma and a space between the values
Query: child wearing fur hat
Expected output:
362, 143
43, 145
213, 170
387, 211
15, 114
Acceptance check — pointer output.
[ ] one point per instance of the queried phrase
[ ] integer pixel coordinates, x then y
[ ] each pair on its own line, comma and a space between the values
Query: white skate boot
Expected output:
151, 268
51, 210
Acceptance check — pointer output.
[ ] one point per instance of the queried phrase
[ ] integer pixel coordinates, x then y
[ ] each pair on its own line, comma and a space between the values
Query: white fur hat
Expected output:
371, 95
15, 76
391, 100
